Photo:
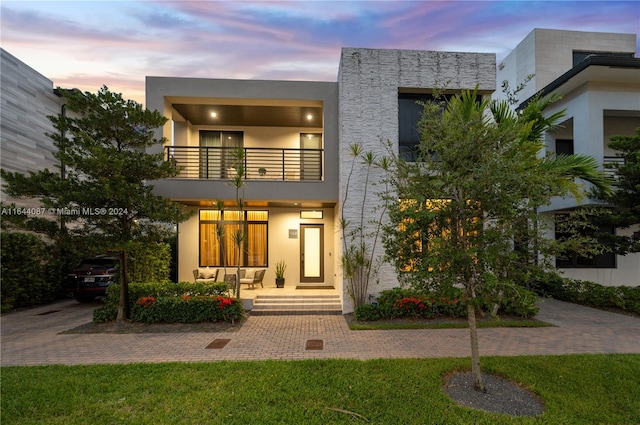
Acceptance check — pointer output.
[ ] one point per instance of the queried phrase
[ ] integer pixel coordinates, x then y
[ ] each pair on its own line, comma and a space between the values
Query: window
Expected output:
409, 114
571, 259
564, 147
217, 229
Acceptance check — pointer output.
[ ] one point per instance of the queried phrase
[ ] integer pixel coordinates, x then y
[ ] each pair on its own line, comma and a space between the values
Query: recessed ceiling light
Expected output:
213, 114
309, 116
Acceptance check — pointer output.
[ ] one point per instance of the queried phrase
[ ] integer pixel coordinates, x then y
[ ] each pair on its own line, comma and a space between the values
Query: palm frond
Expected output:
583, 167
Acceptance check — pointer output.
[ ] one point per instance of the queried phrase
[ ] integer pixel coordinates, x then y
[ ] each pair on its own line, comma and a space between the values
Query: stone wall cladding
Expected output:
27, 99
369, 81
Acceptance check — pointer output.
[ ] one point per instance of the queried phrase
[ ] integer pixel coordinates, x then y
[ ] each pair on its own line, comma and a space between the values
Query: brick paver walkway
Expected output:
32, 338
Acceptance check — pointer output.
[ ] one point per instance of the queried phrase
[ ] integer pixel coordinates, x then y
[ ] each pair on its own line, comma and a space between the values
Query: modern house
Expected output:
598, 77
295, 136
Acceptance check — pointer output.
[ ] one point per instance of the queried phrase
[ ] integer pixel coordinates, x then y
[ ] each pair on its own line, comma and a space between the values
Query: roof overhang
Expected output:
594, 69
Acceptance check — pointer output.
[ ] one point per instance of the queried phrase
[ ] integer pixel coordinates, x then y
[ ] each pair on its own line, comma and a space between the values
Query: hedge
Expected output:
187, 309
406, 303
25, 263
173, 303
591, 294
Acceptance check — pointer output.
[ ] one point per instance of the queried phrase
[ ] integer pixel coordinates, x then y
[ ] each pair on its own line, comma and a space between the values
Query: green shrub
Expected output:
518, 301
165, 289
388, 297
25, 261
587, 293
187, 309
178, 313
367, 312
106, 313
449, 302
408, 303
149, 262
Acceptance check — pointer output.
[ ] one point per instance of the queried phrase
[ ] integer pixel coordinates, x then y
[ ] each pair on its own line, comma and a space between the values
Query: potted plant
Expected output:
281, 266
262, 171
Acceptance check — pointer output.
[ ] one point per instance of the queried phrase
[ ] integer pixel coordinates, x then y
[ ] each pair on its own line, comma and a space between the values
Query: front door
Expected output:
311, 253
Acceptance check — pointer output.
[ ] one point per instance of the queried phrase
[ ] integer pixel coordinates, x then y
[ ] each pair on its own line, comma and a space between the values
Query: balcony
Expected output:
611, 172
217, 163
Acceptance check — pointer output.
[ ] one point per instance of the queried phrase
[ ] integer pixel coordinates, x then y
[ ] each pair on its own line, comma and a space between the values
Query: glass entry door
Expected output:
311, 156
218, 152
311, 253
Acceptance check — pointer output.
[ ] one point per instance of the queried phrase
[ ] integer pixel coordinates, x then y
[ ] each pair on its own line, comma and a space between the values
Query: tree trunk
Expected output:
478, 385
238, 271
123, 303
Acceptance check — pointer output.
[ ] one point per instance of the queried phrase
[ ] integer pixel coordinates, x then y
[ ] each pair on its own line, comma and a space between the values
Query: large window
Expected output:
217, 230
409, 114
572, 259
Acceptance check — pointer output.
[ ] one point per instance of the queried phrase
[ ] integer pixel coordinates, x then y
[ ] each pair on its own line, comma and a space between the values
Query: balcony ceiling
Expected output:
251, 115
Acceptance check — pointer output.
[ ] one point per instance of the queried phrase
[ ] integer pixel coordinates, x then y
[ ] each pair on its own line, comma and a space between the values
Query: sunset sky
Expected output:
87, 44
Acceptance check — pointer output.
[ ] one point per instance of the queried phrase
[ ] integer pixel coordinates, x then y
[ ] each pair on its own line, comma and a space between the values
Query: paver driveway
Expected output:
32, 338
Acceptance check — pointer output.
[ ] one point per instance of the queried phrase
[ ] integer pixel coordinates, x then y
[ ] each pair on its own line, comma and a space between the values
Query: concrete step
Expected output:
296, 304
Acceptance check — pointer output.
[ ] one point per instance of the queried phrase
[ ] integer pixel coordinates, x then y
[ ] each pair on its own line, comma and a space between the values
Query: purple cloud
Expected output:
88, 44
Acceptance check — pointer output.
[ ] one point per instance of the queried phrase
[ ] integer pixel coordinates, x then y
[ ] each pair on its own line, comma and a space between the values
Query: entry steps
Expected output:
269, 305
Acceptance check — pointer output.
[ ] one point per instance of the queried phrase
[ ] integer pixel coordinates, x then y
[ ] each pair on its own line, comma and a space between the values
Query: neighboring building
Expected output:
27, 99
599, 80
295, 135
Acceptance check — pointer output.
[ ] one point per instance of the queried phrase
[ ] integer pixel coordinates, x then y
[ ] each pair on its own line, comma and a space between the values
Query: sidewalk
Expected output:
32, 337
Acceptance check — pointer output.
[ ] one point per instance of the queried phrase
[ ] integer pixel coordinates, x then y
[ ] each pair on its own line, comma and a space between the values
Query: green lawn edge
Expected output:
575, 389
368, 326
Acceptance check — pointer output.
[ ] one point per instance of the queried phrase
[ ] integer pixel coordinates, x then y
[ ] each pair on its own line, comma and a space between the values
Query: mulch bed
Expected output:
500, 395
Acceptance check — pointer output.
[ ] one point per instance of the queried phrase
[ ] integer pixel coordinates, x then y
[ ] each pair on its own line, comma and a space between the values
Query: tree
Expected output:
103, 190
455, 212
623, 209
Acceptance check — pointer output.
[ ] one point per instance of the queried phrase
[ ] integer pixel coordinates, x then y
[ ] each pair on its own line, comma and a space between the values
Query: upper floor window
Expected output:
410, 108
409, 113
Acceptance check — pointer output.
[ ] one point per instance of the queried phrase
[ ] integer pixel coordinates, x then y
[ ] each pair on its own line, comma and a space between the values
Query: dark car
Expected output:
91, 278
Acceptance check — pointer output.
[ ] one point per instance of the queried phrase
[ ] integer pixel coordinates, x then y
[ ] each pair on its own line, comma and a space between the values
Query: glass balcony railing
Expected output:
218, 163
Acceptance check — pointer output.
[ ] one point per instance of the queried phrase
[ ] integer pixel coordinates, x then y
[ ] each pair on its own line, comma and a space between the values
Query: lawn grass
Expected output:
425, 324
576, 389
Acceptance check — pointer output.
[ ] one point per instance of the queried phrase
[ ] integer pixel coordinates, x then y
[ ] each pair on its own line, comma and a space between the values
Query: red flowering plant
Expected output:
414, 306
224, 302
146, 302
452, 307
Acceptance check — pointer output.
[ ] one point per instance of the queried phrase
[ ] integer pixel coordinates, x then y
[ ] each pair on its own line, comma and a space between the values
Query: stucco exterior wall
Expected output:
548, 54
369, 81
